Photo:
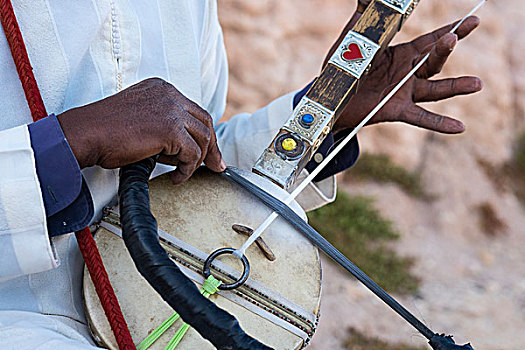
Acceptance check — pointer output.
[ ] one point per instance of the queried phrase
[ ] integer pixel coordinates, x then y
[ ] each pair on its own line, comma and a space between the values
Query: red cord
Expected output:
23, 66
85, 239
105, 292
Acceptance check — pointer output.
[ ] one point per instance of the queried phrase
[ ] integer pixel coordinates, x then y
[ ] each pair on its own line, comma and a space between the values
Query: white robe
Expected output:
82, 51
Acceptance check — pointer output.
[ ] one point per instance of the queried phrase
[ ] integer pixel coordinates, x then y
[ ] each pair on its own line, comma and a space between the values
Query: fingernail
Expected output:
173, 179
453, 41
223, 165
479, 84
452, 126
458, 126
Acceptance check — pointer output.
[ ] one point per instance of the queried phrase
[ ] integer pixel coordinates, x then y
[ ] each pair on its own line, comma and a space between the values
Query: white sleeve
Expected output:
25, 247
245, 136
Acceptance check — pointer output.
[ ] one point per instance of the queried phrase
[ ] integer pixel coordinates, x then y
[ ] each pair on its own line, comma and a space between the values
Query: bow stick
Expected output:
289, 199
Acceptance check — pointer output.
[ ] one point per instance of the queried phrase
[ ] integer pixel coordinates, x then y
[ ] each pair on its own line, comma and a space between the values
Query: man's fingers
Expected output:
438, 56
199, 113
422, 118
189, 158
430, 91
201, 134
213, 157
168, 159
467, 26
194, 109
422, 42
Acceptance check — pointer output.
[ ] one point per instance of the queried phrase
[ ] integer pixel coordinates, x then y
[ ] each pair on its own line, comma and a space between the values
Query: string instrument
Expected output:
278, 304
258, 296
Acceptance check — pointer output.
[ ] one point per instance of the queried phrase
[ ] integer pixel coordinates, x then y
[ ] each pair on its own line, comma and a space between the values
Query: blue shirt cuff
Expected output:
344, 160
67, 199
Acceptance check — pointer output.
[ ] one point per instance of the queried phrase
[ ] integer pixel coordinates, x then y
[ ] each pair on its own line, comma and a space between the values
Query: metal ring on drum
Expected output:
223, 251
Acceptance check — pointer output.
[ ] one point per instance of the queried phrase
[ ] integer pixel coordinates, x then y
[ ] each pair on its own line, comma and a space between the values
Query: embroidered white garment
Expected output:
83, 51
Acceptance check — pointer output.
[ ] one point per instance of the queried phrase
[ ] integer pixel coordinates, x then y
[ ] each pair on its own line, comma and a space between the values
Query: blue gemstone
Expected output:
307, 119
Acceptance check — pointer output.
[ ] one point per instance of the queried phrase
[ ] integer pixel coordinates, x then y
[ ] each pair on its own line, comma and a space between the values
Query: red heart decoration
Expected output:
352, 53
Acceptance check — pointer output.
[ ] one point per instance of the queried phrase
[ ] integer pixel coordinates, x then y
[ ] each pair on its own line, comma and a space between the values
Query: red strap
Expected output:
23, 66
105, 292
85, 239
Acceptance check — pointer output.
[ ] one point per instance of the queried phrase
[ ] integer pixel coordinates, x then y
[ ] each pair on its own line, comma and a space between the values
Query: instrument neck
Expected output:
316, 113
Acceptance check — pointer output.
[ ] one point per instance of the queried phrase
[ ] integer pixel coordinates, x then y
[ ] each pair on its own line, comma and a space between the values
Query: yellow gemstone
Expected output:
289, 144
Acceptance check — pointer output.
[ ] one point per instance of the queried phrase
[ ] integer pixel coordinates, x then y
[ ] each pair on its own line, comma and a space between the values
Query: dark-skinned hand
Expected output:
391, 67
148, 118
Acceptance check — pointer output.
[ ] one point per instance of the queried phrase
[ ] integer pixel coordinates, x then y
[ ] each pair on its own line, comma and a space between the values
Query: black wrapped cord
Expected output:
445, 342
139, 231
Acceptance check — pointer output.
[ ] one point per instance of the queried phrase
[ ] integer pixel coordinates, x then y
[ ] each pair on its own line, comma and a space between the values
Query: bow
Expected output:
437, 341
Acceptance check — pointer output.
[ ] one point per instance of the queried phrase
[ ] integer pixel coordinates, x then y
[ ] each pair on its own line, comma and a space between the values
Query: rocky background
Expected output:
473, 283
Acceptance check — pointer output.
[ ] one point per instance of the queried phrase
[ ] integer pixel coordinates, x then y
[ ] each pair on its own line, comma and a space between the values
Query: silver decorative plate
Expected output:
355, 54
322, 117
400, 6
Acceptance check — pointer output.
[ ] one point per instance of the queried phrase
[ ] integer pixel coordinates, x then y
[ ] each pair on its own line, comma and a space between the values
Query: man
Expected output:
92, 60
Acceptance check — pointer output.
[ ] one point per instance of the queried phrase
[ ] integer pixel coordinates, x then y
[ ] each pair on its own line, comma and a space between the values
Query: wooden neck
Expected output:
315, 115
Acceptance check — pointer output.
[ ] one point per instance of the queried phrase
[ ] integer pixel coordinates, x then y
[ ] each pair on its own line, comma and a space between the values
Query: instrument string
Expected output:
271, 218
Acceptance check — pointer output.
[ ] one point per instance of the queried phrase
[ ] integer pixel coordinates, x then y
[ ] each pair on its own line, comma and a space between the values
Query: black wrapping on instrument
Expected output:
139, 231
445, 342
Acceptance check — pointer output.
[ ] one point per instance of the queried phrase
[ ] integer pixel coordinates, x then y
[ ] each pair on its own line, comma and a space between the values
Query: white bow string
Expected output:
259, 231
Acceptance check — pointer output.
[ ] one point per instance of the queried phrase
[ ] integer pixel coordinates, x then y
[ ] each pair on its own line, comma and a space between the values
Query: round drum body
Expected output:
279, 303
